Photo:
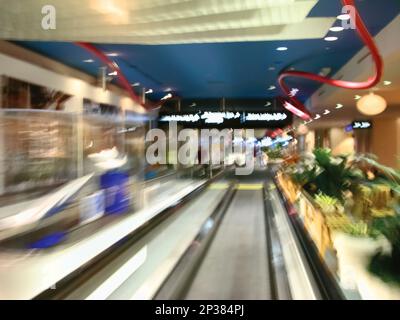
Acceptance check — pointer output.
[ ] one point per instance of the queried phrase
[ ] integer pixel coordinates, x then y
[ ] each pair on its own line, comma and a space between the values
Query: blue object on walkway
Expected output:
48, 241
116, 187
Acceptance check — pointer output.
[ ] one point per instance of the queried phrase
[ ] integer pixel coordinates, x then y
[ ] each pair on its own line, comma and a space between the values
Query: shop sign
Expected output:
230, 119
361, 125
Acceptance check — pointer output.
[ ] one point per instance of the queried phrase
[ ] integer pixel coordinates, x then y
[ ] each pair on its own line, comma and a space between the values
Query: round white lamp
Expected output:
371, 104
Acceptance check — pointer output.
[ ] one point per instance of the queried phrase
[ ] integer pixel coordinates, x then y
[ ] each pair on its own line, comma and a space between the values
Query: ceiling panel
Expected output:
199, 48
163, 22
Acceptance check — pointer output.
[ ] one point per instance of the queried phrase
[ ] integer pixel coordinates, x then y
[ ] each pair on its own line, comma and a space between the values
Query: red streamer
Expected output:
120, 76
296, 107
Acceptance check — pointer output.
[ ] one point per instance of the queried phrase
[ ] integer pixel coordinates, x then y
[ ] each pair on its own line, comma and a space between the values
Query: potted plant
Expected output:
355, 243
320, 172
382, 281
337, 174
353, 198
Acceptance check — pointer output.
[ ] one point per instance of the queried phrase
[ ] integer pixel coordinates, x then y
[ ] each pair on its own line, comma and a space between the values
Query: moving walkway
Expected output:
227, 238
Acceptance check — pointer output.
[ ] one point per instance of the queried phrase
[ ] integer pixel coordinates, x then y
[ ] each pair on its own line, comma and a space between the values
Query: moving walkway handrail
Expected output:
161, 177
280, 289
177, 284
181, 279
75, 279
327, 285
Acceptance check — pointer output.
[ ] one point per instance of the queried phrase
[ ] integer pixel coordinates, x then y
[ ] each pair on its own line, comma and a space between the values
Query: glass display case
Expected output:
39, 151
61, 170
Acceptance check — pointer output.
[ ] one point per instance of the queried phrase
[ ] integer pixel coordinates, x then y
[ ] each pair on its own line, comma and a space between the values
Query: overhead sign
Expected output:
275, 116
230, 119
180, 118
361, 125
219, 104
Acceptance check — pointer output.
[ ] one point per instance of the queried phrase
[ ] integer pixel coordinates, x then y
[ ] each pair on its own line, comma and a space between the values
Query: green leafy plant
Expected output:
275, 153
337, 174
325, 173
305, 171
387, 266
327, 204
323, 199
385, 174
360, 229
390, 173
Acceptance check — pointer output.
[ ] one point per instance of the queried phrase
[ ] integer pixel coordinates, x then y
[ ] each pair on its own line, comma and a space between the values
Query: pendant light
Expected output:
371, 104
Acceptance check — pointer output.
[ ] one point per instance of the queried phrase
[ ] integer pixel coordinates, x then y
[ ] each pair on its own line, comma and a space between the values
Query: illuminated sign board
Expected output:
275, 116
218, 104
180, 118
361, 125
231, 119
219, 117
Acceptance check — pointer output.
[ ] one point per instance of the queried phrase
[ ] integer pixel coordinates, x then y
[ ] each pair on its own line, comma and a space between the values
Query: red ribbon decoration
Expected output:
296, 107
120, 76
291, 103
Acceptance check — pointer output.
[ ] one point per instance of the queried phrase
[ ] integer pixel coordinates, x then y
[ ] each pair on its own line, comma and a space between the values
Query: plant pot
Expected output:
353, 255
372, 287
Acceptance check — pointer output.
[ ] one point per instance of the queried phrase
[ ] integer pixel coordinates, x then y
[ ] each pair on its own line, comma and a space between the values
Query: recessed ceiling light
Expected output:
268, 104
330, 38
281, 48
168, 89
114, 73
327, 48
387, 83
343, 17
293, 92
325, 71
167, 96
193, 105
317, 116
336, 29
357, 97
136, 84
339, 106
326, 112
271, 88
112, 54
271, 68
88, 60
149, 91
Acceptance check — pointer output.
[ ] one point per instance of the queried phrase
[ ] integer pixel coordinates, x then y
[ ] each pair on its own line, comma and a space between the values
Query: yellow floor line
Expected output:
249, 186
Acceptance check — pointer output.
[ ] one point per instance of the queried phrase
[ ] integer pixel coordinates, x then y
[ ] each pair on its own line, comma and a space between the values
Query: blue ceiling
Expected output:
230, 70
